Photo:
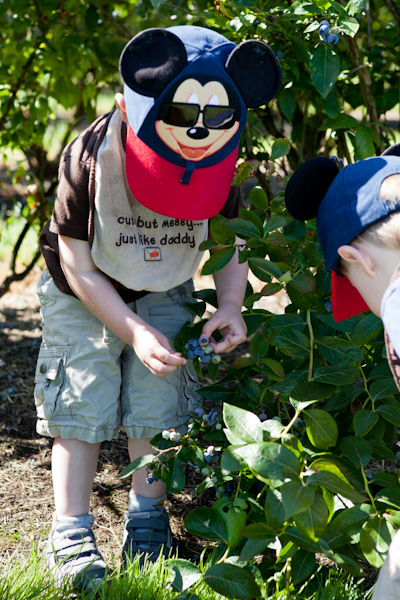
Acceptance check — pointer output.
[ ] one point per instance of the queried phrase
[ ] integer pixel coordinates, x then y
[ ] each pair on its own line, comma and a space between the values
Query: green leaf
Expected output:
264, 269
321, 428
390, 412
259, 198
243, 227
218, 261
336, 485
325, 69
312, 522
243, 424
259, 346
259, 532
280, 148
292, 342
175, 478
232, 582
334, 376
220, 232
358, 450
188, 573
303, 282
365, 142
235, 521
310, 392
274, 509
364, 420
137, 464
230, 460
366, 330
375, 538
296, 497
303, 565
342, 121
270, 460
338, 351
287, 103
383, 388
253, 547
206, 522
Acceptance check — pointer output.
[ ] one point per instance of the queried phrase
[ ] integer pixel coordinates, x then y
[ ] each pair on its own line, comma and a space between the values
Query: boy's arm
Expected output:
96, 291
230, 284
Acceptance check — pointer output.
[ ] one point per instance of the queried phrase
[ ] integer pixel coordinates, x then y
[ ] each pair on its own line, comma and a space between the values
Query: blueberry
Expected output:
199, 412
324, 30
324, 23
192, 343
205, 359
207, 457
328, 306
199, 351
212, 416
149, 479
263, 416
279, 54
190, 354
204, 340
333, 38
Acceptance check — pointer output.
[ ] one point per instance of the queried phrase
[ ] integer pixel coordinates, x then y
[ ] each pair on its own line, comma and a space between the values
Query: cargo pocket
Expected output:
189, 399
49, 380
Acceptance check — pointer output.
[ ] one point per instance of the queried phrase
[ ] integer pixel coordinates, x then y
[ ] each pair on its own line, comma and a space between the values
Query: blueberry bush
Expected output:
299, 428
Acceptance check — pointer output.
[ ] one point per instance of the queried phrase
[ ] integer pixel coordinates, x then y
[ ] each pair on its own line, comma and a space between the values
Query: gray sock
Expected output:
137, 503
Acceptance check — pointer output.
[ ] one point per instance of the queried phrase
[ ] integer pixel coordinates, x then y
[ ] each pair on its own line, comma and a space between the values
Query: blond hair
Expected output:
387, 231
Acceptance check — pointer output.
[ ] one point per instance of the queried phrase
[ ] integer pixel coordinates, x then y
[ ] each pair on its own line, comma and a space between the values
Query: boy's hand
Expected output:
228, 319
155, 352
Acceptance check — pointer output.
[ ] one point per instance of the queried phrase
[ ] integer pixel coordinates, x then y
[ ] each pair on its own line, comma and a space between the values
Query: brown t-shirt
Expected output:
73, 214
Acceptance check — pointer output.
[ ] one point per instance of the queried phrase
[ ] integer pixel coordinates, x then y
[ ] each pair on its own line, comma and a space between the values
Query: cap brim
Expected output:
156, 183
346, 300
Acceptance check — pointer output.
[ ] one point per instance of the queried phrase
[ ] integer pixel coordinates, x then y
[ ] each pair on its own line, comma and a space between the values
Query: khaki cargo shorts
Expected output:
89, 383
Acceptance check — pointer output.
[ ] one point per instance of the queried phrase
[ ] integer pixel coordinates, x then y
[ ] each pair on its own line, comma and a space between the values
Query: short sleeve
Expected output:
71, 209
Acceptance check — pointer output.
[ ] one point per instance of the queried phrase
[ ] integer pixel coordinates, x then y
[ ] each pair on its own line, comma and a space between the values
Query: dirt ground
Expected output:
26, 497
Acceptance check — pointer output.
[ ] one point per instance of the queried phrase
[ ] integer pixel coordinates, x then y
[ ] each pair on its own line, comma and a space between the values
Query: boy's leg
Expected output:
74, 465
147, 529
72, 552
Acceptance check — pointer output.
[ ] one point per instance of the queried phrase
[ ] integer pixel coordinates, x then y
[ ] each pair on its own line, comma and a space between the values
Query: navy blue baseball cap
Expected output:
345, 203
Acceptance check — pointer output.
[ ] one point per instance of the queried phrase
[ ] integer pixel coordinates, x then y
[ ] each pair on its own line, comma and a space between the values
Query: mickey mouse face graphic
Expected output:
199, 120
187, 90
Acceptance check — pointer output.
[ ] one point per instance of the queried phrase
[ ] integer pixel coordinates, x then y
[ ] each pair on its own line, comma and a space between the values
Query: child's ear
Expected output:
359, 255
120, 102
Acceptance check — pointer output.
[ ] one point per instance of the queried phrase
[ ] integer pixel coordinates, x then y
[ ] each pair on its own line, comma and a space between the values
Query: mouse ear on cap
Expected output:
151, 60
255, 71
308, 185
392, 150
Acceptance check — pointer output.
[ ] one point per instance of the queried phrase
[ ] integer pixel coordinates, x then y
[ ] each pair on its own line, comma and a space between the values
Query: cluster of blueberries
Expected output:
202, 350
326, 35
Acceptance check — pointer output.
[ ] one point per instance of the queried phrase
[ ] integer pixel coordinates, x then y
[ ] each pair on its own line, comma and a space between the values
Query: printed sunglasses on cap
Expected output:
181, 114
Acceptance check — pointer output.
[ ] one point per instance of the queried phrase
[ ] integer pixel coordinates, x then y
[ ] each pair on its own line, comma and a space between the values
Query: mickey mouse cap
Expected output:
345, 202
187, 90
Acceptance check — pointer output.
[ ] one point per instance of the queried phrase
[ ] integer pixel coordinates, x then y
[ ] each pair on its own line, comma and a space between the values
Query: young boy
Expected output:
358, 223
136, 192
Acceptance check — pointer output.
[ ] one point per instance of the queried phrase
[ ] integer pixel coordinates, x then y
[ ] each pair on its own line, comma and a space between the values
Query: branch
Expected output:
365, 86
395, 11
17, 86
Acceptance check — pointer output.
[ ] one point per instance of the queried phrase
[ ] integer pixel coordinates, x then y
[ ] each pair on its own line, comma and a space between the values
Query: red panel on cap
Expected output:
346, 300
156, 183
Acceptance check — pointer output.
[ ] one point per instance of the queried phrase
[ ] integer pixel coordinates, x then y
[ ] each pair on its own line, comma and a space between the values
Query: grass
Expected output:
30, 580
